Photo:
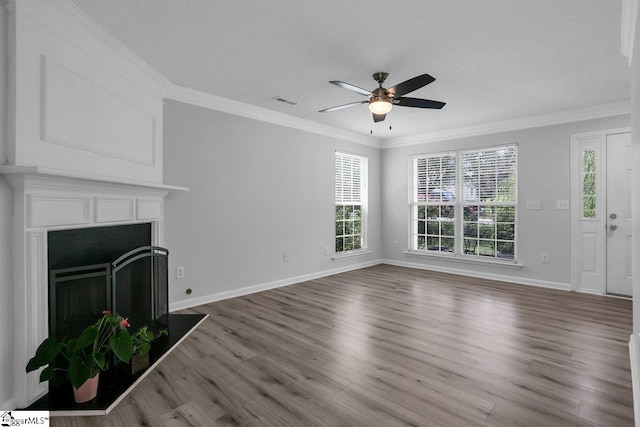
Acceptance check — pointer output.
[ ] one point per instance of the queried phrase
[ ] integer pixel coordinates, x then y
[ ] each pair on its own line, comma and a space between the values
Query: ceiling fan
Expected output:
381, 100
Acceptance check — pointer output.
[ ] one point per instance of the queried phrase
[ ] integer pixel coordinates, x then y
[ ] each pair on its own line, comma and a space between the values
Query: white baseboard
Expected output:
180, 305
634, 349
8, 405
481, 275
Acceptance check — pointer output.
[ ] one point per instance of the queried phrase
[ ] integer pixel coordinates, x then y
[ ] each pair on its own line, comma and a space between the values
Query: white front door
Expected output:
618, 215
601, 212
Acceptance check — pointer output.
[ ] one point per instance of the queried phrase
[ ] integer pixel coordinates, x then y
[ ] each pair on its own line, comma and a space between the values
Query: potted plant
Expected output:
86, 355
141, 341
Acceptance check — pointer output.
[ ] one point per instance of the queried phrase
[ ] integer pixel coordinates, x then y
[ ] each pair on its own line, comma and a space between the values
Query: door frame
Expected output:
594, 282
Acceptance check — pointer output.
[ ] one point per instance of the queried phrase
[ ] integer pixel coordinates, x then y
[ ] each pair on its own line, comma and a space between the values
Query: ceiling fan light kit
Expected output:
380, 106
382, 100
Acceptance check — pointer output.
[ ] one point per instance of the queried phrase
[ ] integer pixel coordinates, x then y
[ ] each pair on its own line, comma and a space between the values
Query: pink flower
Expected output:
124, 323
106, 311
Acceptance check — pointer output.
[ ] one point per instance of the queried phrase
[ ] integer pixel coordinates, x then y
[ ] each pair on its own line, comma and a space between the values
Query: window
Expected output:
464, 203
350, 202
589, 186
433, 202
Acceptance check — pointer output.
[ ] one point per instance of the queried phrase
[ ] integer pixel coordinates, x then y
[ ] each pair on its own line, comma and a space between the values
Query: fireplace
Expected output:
47, 202
113, 268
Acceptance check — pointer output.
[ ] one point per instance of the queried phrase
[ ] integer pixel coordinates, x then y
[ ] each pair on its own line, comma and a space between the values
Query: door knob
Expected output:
613, 216
613, 227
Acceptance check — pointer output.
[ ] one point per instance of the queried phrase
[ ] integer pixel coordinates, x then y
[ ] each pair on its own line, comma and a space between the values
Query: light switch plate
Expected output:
562, 204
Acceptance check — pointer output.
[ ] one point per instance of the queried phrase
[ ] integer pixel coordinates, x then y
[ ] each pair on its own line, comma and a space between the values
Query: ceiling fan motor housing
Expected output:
379, 94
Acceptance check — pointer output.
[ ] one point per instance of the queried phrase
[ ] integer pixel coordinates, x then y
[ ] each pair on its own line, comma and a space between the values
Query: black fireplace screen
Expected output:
134, 286
140, 287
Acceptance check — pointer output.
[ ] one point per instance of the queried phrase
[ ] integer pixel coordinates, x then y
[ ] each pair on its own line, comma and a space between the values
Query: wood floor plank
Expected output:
392, 346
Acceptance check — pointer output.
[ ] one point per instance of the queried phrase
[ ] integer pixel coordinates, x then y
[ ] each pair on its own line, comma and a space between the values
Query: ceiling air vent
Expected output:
286, 101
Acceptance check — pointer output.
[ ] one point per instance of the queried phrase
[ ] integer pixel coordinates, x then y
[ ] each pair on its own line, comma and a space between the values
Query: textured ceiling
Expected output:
493, 60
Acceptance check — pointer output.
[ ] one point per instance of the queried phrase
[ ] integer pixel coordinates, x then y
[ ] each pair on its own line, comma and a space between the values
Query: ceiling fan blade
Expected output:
351, 87
419, 103
378, 117
340, 107
409, 85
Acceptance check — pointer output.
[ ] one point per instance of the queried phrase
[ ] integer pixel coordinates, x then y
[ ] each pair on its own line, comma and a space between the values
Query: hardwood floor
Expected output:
391, 346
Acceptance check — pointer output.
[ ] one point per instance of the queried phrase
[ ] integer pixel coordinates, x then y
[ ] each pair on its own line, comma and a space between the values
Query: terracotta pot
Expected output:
87, 391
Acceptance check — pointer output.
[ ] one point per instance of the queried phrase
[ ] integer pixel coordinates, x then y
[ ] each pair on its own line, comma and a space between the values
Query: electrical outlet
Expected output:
179, 272
544, 258
533, 204
562, 204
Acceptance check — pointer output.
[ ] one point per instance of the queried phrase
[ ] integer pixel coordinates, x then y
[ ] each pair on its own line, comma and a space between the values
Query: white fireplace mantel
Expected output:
49, 199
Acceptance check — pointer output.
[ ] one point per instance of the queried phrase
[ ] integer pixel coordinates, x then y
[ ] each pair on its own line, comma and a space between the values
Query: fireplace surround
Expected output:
47, 201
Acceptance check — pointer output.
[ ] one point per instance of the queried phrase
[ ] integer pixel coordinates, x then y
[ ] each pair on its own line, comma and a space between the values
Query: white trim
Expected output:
206, 299
588, 113
634, 359
628, 30
482, 275
348, 255
493, 262
226, 105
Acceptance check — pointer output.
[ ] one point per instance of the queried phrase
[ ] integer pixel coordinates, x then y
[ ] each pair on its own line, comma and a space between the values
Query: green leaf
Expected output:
45, 354
46, 374
71, 343
122, 345
86, 338
100, 360
143, 348
79, 370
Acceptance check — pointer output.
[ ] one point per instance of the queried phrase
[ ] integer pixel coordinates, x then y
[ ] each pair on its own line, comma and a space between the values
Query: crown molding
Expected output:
226, 105
557, 118
629, 27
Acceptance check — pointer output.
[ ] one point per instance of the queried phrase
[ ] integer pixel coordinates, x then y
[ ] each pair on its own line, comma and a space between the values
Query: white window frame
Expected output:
460, 203
415, 203
355, 198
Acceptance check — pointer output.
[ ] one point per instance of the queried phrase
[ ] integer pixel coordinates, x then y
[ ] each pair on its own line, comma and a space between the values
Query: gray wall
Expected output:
256, 191
543, 174
6, 257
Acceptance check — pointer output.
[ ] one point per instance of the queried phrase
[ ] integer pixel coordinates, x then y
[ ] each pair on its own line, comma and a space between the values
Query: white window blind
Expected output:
434, 177
489, 175
351, 176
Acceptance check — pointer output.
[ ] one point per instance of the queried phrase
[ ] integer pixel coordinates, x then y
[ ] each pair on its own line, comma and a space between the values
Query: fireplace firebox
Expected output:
112, 268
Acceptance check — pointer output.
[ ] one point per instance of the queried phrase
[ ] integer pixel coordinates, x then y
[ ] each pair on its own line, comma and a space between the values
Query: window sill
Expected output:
467, 259
347, 255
